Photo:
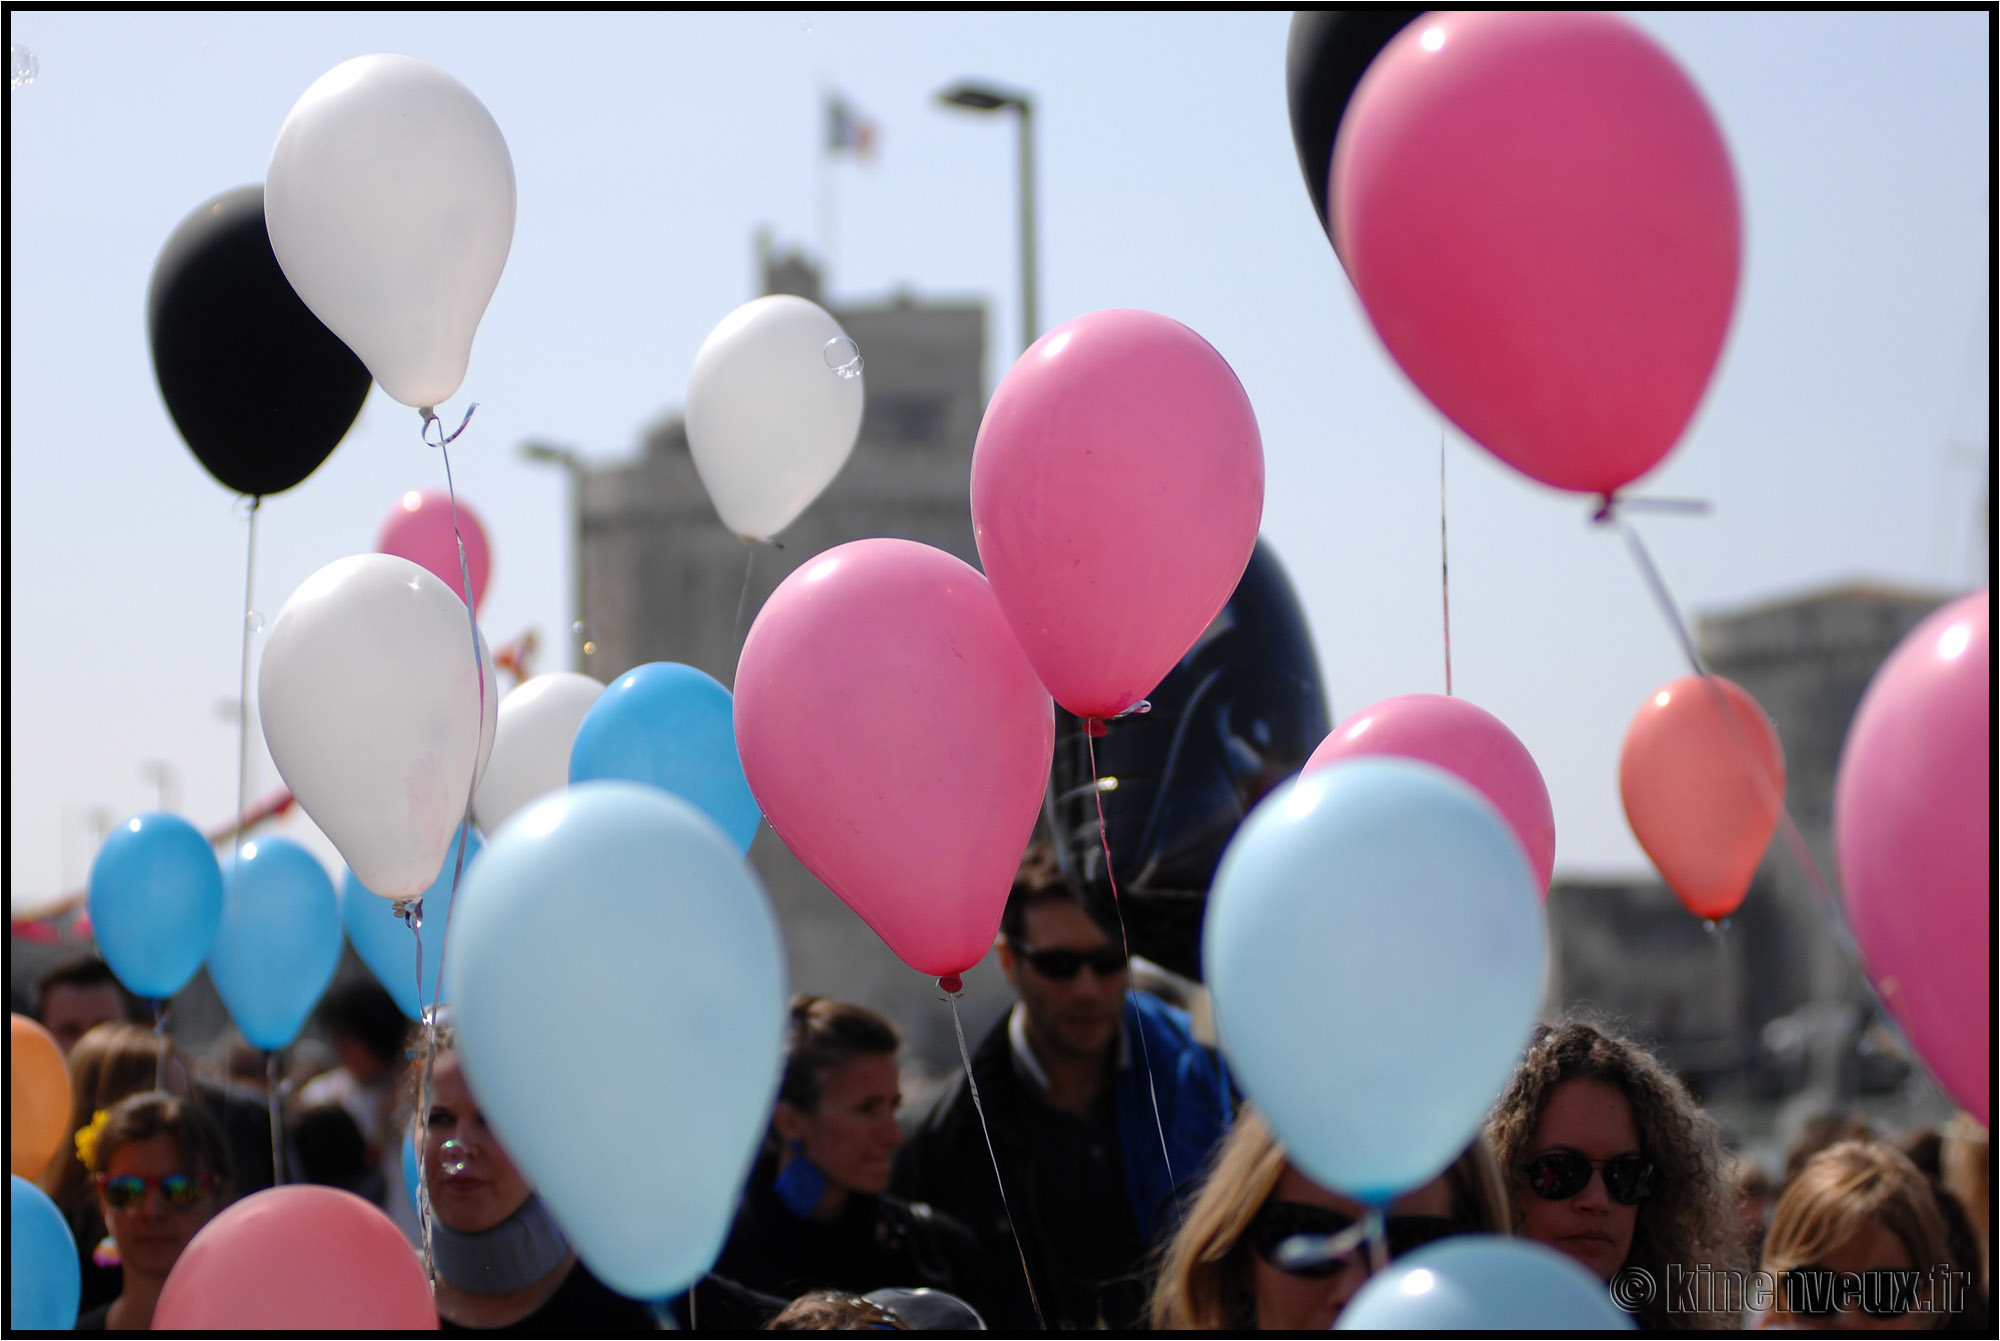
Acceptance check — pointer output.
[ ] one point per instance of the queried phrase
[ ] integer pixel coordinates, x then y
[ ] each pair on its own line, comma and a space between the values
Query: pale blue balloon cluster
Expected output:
44, 1275
279, 942
1375, 944
1484, 1283
672, 727
385, 942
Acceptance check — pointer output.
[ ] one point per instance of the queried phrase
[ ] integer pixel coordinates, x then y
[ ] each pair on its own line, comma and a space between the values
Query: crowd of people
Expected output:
1135, 1187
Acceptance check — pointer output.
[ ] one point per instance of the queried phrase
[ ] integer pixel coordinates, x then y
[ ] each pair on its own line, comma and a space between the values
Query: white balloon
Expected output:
375, 716
390, 202
538, 722
773, 408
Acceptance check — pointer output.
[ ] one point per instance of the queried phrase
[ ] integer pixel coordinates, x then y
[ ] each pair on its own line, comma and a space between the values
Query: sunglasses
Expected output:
1294, 1237
1562, 1174
1062, 965
178, 1190
1819, 1292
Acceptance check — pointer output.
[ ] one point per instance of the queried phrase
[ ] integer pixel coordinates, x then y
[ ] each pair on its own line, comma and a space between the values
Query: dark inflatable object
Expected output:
261, 390
1325, 56
1241, 712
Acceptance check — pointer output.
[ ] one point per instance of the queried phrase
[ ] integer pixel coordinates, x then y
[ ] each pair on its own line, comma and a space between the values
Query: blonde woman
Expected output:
1858, 1243
1224, 1269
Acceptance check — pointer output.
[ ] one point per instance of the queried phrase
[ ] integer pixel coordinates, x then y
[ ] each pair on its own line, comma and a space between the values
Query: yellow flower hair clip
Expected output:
86, 1139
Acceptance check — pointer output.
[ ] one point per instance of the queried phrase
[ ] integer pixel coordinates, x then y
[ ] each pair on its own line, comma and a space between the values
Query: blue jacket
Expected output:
1193, 1095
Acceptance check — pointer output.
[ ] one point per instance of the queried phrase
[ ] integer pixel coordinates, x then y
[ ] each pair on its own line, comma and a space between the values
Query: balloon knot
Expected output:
952, 983
1094, 726
1606, 504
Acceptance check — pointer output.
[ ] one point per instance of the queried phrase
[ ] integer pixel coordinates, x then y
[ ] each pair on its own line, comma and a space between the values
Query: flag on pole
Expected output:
849, 131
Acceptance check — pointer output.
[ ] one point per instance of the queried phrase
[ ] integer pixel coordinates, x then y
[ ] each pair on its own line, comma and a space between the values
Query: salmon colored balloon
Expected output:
1117, 483
419, 528
898, 742
1540, 217
1465, 739
297, 1256
37, 1098
1703, 779
1913, 829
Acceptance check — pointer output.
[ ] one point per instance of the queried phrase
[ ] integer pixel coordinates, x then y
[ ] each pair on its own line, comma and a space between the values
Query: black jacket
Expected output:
877, 1242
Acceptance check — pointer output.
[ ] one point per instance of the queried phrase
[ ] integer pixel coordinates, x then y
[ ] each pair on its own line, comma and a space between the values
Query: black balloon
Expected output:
256, 384
1326, 55
1242, 711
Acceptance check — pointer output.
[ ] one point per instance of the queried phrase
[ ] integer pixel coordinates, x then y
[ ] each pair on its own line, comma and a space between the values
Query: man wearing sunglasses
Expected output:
1101, 1107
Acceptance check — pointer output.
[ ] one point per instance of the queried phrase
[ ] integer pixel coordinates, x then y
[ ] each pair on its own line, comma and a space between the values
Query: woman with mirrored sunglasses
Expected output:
1609, 1159
1265, 1247
159, 1169
1858, 1243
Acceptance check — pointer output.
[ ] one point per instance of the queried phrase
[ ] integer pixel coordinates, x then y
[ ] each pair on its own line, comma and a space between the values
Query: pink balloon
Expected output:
1464, 739
294, 1257
418, 528
898, 742
1912, 827
1117, 484
1539, 214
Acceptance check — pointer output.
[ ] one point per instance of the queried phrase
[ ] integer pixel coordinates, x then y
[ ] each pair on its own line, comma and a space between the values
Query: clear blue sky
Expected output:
1845, 436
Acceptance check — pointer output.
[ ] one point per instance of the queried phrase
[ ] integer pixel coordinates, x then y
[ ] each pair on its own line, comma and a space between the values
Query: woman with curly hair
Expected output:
1610, 1160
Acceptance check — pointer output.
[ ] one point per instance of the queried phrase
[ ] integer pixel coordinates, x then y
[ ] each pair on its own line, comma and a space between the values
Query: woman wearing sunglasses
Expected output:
158, 1165
1265, 1247
1610, 1160
817, 1214
1858, 1243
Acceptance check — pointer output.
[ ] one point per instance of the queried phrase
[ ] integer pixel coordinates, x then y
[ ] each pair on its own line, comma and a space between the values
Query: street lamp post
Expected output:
985, 98
553, 455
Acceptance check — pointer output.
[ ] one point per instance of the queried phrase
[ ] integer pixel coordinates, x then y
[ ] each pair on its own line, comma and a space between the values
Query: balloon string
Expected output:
965, 1056
430, 417
277, 1123
1145, 1049
160, 1038
479, 675
1444, 567
412, 913
1794, 840
743, 601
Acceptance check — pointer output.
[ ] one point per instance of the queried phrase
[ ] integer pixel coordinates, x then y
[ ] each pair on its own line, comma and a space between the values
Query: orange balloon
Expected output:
1703, 779
37, 1099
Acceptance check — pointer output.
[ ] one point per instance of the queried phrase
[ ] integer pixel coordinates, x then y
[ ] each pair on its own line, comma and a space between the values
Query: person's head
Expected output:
1818, 1132
1221, 1270
329, 1147
1858, 1208
79, 994
1753, 1204
1608, 1158
160, 1174
837, 1104
111, 1062
366, 1027
834, 1311
473, 1183
1070, 972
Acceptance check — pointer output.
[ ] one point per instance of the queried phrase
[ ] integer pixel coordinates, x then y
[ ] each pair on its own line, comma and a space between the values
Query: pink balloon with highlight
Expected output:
1539, 214
419, 528
1117, 483
1464, 739
1912, 828
297, 1256
898, 742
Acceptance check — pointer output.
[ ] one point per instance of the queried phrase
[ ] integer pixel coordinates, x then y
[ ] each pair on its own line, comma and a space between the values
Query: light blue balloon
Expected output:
383, 940
1376, 950
279, 942
1483, 1283
672, 727
44, 1274
618, 984
155, 902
